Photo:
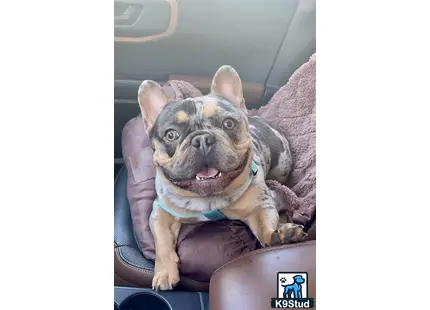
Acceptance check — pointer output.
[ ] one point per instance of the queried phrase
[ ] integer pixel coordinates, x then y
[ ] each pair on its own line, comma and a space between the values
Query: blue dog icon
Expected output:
295, 287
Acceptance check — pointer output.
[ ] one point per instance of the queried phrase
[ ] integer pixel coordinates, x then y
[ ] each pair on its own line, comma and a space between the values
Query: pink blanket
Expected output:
292, 111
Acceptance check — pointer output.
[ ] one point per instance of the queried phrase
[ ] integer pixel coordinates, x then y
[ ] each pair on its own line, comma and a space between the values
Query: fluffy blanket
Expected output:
292, 111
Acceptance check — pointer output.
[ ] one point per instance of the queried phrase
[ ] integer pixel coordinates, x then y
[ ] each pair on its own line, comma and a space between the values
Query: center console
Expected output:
127, 298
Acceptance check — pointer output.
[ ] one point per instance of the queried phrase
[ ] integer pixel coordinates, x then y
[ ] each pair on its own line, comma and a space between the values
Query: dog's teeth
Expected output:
204, 178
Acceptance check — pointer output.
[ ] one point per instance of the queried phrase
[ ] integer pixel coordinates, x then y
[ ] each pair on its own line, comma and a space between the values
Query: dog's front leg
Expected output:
256, 207
264, 221
257, 210
165, 229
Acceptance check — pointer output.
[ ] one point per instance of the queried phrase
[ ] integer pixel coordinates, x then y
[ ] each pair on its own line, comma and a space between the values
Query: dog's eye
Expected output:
171, 135
228, 123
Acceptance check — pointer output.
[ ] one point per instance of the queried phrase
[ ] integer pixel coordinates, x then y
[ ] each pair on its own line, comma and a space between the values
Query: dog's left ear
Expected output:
227, 83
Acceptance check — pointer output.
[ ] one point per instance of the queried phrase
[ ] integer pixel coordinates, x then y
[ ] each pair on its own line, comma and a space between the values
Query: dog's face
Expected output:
200, 144
299, 279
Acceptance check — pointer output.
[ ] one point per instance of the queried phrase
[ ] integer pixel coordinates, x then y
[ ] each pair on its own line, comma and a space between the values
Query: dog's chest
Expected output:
200, 204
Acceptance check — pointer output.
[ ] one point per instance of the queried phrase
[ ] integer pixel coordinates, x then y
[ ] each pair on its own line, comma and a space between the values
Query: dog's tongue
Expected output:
207, 173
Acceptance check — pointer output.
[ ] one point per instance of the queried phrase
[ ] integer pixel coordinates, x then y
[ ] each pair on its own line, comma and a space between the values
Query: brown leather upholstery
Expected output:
131, 276
250, 281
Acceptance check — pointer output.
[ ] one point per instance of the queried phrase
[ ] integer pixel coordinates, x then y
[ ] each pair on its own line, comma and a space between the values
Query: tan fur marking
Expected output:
262, 221
189, 220
244, 135
245, 205
262, 225
182, 117
246, 144
160, 158
165, 222
241, 178
210, 110
291, 232
165, 231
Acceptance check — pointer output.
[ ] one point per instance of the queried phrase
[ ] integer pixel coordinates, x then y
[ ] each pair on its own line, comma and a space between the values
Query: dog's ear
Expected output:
152, 100
226, 83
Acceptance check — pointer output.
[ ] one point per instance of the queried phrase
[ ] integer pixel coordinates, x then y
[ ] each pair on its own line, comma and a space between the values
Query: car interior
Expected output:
162, 40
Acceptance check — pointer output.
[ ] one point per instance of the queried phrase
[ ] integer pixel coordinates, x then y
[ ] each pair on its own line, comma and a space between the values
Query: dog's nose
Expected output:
203, 143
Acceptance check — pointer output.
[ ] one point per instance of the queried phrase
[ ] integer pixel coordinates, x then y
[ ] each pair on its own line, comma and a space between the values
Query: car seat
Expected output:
132, 269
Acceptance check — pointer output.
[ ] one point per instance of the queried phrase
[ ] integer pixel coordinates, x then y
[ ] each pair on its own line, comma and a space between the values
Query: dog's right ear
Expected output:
152, 100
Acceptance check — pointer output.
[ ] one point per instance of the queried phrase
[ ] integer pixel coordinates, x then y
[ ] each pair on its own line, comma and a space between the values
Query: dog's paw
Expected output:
288, 233
165, 279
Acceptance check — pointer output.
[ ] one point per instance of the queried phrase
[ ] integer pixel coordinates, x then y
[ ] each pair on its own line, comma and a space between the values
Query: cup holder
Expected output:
145, 301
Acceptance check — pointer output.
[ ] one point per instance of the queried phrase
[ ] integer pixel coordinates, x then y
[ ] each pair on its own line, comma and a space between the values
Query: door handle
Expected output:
127, 14
144, 20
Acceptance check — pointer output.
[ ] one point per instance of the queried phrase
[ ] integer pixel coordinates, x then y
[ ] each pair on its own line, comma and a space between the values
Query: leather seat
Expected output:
131, 268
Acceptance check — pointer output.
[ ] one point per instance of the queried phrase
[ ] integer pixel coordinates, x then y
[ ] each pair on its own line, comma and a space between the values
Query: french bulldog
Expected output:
212, 160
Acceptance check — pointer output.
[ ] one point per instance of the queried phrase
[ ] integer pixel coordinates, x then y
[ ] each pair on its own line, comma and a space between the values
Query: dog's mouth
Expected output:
209, 180
208, 174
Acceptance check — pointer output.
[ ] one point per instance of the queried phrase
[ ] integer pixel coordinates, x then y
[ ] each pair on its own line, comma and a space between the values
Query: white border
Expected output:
372, 147
373, 155
57, 170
